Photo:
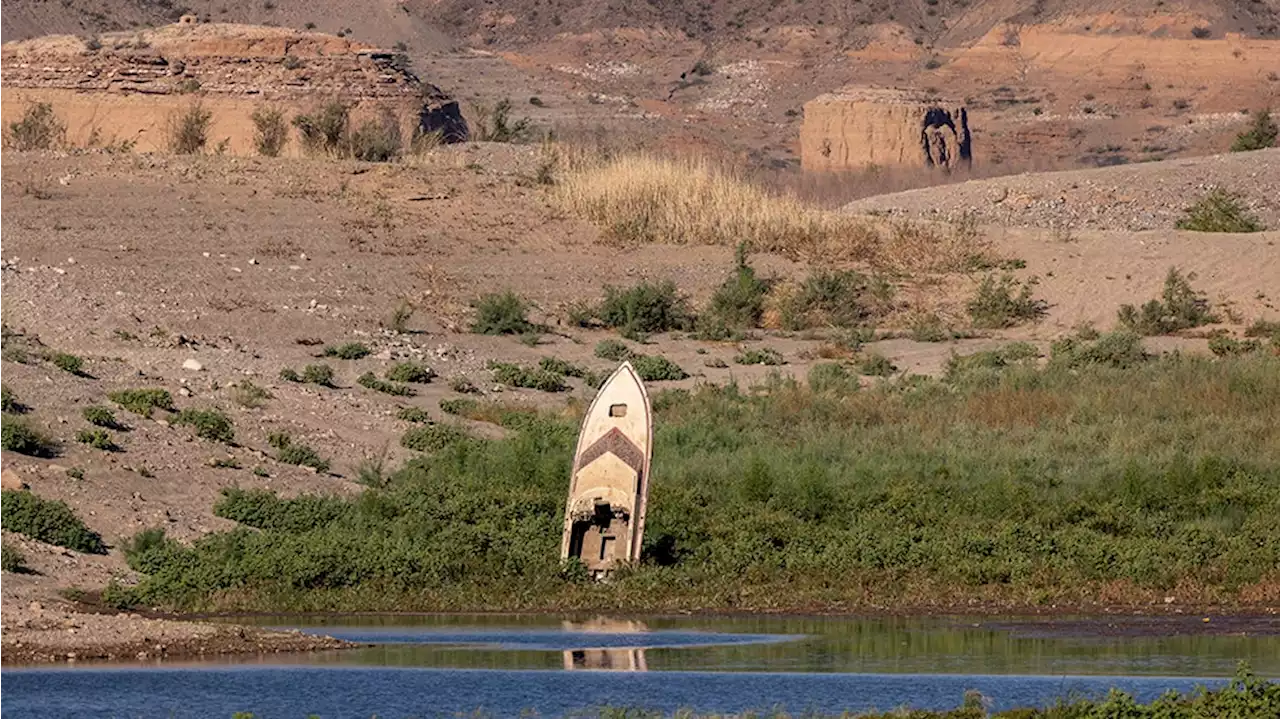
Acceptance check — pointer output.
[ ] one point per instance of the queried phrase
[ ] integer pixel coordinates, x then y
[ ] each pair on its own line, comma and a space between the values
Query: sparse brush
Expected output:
1219, 211
833, 298
1005, 302
410, 372
737, 304
832, 377
372, 471
763, 355
417, 414
48, 521
347, 351
247, 394
656, 368
1121, 349
515, 375
189, 129
39, 129
876, 365
613, 350
9, 401
12, 560
210, 424
432, 437
289, 374
461, 406
68, 362
398, 322
143, 401
1261, 135
494, 124
371, 381
463, 385
1226, 346
290, 452
501, 314
377, 140
1263, 328
564, 367
1182, 308
324, 129
101, 417
18, 436
920, 247
270, 130
961, 367
645, 308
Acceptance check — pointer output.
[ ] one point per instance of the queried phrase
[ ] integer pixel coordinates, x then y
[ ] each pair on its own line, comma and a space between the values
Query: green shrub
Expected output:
1261, 135
835, 298
1014, 353
515, 375
1263, 328
501, 314
463, 385
270, 130
9, 401
348, 351
737, 304
410, 372
432, 437
12, 559
398, 322
763, 355
324, 129
289, 452
461, 406
377, 140
68, 362
645, 308
247, 394
49, 521
417, 414
1226, 346
289, 374
656, 368
18, 436
98, 439
189, 129
39, 129
1121, 349
210, 424
555, 365
1004, 303
613, 350
143, 401
876, 365
102, 417
321, 374
371, 381
832, 377
494, 124
1219, 211
1182, 308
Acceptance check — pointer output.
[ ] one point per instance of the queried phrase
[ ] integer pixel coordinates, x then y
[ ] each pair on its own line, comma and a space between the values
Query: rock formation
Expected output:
858, 128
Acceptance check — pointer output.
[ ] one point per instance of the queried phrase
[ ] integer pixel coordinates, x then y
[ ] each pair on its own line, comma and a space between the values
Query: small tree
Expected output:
271, 131
189, 129
1261, 135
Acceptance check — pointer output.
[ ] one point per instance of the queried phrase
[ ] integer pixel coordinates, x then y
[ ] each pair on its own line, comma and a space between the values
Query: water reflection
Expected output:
616, 659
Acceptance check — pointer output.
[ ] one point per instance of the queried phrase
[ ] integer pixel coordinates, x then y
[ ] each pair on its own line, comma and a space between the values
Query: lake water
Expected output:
427, 666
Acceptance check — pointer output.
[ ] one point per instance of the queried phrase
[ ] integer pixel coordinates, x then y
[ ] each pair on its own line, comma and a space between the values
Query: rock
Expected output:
192, 365
185, 392
9, 479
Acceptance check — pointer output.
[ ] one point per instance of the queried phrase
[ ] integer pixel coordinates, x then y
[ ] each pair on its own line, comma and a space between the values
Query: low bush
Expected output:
418, 414
1227, 346
49, 521
645, 308
563, 367
98, 439
9, 401
143, 401
495, 124
18, 436
39, 129
321, 374
270, 130
1261, 135
515, 375
371, 381
324, 130
762, 355
1263, 328
1121, 349
832, 377
613, 350
1180, 307
462, 385
377, 140
347, 351
290, 452
67, 362
1014, 353
656, 368
432, 437
189, 129
12, 560
502, 313
101, 417
737, 304
1005, 302
833, 298
876, 365
211, 424
249, 395
410, 372
1219, 211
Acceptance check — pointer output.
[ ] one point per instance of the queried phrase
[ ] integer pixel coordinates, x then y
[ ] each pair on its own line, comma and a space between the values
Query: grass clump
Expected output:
189, 129
68, 362
321, 374
432, 437
48, 521
1219, 211
876, 365
461, 406
98, 439
377, 140
398, 322
12, 560
614, 350
211, 424
502, 313
290, 452
101, 417
762, 355
737, 304
1260, 135
371, 381
645, 308
562, 367
1121, 350
270, 130
324, 129
18, 436
1012, 354
495, 124
347, 351
1180, 307
1223, 345
1005, 302
514, 375
39, 129
249, 395
833, 298
143, 401
656, 368
832, 377
411, 372
417, 414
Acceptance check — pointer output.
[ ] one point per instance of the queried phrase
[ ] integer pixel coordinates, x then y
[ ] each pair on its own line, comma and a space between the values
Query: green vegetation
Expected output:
1182, 308
462, 385
347, 351
211, 424
9, 401
614, 350
67, 362
563, 367
737, 304
645, 308
321, 374
324, 130
656, 368
49, 521
18, 436
249, 395
143, 401
398, 322
502, 314
433, 437
410, 372
834, 298
39, 129
876, 365
417, 414
461, 407
514, 375
494, 124
1224, 345
1038, 485
377, 140
371, 381
1219, 211
1004, 303
189, 129
964, 367
1120, 349
1261, 135
12, 560
98, 439
762, 355
289, 452
270, 130
100, 416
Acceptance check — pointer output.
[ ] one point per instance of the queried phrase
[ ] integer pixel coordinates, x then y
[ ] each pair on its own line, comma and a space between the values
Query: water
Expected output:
424, 666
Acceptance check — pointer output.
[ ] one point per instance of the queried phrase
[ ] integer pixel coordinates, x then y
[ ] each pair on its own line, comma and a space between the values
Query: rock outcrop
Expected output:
858, 128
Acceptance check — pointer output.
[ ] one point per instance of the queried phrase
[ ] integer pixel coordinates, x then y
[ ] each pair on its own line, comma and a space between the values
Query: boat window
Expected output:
617, 410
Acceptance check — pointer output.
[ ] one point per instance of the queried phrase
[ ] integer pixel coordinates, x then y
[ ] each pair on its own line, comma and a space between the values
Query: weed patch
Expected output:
832, 377
143, 401
18, 436
876, 365
270, 130
102, 417
1121, 349
1004, 303
249, 395
348, 351
432, 437
290, 452
324, 130
514, 375
833, 298
211, 424
737, 304
502, 314
49, 521
411, 372
371, 381
9, 401
656, 368
613, 350
12, 560
1219, 211
762, 355
495, 124
377, 140
68, 363
39, 129
645, 308
1261, 135
188, 129
417, 414
98, 439
1180, 307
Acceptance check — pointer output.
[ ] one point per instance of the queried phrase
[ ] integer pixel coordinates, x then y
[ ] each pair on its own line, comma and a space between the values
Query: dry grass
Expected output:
920, 247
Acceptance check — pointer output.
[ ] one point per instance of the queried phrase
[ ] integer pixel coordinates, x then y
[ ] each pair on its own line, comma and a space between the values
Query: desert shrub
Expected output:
49, 521
644, 308
12, 559
1004, 303
9, 401
1014, 353
501, 313
68, 362
39, 129
432, 437
762, 355
1200, 32
321, 374
1219, 211
289, 374
461, 406
515, 375
189, 129
1121, 349
371, 381
876, 365
1180, 307
613, 350
98, 439
1261, 135
463, 385
101, 417
410, 372
324, 129
656, 368
1226, 346
247, 394
398, 322
834, 298
377, 140
290, 452
913, 247
418, 414
929, 327
347, 351
210, 424
832, 377
18, 436
143, 401
494, 124
372, 471
737, 303
564, 367
270, 130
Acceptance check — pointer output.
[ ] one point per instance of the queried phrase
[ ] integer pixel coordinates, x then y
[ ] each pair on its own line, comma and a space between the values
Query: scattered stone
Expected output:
192, 365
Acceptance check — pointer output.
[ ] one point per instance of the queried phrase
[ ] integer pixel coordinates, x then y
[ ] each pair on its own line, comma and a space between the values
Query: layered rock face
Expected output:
858, 128
126, 84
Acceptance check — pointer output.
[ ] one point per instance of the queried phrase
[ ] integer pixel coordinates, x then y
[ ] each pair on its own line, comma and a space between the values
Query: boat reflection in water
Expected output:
616, 659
